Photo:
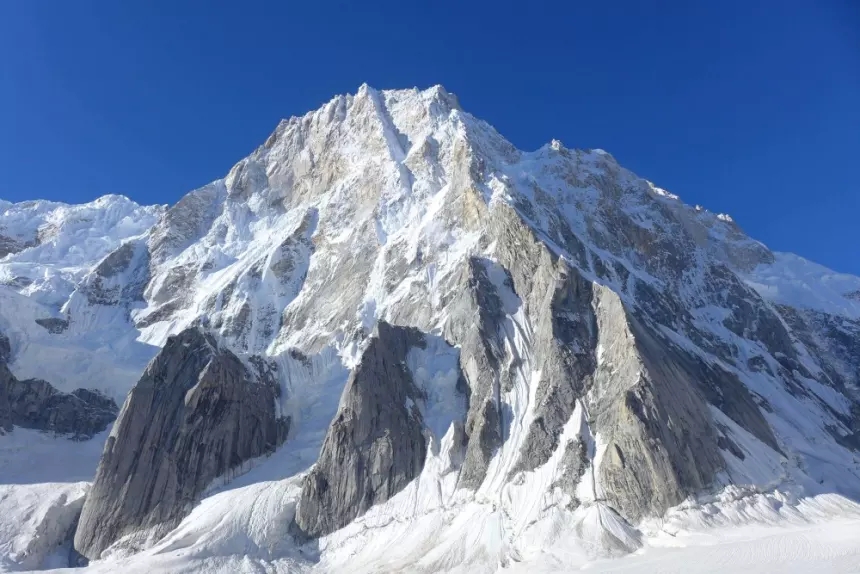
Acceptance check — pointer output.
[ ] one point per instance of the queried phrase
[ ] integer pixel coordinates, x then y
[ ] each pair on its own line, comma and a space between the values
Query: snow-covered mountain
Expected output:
388, 340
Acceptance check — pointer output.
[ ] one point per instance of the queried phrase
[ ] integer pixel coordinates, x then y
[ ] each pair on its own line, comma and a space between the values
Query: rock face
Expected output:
53, 325
5, 349
119, 278
196, 414
646, 397
481, 357
6, 380
8, 245
647, 406
35, 404
375, 445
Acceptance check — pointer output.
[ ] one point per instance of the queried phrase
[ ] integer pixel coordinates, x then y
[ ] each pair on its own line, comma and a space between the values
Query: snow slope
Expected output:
43, 481
63, 242
371, 208
242, 531
60, 245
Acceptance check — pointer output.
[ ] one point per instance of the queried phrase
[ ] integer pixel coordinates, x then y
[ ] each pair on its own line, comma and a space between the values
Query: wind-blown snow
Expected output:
795, 281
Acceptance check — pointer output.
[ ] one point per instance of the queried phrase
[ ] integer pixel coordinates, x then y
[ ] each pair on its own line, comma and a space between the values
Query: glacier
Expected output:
530, 360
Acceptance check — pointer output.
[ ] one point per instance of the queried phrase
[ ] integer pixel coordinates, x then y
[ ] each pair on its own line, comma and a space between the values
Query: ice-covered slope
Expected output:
47, 247
48, 254
586, 355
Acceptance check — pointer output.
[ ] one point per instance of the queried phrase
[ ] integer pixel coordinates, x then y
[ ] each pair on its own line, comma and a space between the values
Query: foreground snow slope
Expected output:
43, 482
242, 530
586, 367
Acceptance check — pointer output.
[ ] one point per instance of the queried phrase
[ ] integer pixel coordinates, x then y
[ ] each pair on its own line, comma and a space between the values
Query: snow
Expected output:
243, 530
99, 351
67, 240
435, 371
795, 281
32, 457
824, 547
35, 523
43, 482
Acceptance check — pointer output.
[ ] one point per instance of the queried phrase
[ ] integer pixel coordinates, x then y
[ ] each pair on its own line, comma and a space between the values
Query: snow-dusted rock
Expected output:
36, 404
375, 445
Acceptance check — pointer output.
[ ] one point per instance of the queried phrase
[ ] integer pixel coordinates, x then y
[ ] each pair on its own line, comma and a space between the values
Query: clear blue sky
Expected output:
748, 107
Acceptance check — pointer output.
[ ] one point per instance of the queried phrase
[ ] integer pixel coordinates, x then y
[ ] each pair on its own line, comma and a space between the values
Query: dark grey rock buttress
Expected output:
196, 414
375, 446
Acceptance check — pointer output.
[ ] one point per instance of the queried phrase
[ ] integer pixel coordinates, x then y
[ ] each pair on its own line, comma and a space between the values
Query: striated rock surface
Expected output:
375, 445
480, 336
197, 413
649, 412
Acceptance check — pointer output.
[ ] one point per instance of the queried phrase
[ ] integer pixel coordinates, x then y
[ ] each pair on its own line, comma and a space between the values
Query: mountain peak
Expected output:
455, 332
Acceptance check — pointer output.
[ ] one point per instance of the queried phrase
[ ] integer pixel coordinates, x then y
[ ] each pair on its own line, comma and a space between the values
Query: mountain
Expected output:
388, 340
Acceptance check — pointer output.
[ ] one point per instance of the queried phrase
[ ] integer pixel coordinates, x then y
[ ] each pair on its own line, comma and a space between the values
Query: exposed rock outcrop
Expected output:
121, 277
642, 395
5, 349
10, 245
375, 446
479, 313
36, 404
6, 380
54, 325
196, 414
661, 443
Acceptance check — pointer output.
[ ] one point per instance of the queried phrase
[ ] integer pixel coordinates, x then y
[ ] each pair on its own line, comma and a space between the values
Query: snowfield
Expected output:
242, 528
43, 482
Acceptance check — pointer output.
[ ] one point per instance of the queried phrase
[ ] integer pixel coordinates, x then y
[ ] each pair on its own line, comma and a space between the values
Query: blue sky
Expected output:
748, 107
